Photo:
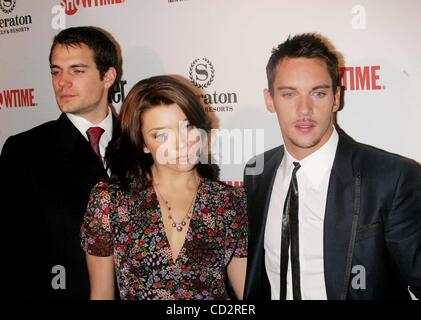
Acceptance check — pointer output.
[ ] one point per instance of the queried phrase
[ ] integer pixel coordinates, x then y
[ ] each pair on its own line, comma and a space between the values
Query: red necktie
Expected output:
94, 134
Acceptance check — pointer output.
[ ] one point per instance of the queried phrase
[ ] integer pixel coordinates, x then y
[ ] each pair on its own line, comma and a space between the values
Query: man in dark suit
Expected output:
330, 218
47, 173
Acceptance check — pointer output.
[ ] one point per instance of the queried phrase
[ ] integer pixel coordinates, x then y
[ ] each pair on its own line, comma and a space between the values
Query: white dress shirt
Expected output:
83, 125
313, 180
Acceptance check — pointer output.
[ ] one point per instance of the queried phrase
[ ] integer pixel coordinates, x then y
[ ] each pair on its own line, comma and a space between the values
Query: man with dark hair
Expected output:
329, 218
47, 173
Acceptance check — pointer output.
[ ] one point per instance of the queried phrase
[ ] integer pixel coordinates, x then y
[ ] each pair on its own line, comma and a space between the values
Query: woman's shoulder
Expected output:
114, 187
112, 197
106, 187
221, 192
224, 188
228, 202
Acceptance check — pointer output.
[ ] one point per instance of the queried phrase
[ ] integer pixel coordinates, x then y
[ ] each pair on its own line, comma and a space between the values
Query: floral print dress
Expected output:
129, 227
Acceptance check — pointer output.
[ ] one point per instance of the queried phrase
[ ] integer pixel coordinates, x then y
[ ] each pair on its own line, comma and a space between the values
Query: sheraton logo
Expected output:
202, 75
362, 78
7, 6
13, 24
17, 98
71, 7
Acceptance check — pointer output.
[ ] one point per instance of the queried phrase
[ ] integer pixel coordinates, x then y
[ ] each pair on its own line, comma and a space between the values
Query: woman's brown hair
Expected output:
125, 156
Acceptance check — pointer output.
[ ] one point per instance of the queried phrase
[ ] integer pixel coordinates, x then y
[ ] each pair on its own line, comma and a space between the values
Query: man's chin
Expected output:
303, 144
65, 108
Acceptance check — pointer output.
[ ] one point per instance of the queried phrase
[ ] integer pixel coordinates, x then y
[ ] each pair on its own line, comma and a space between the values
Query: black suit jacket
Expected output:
372, 219
46, 175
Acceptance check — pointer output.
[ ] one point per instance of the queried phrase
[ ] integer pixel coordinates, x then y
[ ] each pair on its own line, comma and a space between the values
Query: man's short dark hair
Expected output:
306, 45
105, 48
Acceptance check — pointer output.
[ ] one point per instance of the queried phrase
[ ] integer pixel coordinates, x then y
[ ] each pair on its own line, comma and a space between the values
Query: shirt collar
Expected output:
315, 165
83, 125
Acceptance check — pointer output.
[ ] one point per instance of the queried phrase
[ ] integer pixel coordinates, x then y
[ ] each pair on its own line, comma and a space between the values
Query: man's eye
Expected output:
54, 72
77, 71
320, 94
287, 94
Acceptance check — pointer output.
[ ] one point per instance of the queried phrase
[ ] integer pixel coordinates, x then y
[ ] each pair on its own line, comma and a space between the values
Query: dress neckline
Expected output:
190, 227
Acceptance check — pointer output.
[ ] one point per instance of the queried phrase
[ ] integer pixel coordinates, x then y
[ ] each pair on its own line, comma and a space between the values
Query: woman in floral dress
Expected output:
162, 224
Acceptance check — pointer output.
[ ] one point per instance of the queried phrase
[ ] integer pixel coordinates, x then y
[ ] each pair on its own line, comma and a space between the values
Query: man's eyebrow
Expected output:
77, 65
323, 86
286, 88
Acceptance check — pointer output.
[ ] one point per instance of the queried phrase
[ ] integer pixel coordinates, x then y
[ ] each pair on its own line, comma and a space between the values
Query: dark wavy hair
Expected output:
306, 45
125, 156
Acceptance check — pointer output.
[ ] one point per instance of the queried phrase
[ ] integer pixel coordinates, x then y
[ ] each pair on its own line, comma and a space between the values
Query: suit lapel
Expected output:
339, 222
264, 193
257, 286
79, 160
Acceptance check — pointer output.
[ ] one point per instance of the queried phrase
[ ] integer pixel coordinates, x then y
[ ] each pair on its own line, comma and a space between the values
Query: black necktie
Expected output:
290, 235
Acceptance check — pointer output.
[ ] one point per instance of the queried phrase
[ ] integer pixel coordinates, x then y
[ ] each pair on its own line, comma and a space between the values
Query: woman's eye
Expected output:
161, 137
186, 124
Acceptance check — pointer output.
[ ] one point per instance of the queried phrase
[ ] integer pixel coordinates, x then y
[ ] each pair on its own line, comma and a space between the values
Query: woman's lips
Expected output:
183, 159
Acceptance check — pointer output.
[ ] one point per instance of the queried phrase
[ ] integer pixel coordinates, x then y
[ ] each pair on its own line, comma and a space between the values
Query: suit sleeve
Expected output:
13, 183
9, 168
403, 227
16, 220
251, 173
9, 175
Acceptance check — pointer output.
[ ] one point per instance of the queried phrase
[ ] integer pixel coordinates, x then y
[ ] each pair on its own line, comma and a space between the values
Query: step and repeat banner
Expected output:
222, 47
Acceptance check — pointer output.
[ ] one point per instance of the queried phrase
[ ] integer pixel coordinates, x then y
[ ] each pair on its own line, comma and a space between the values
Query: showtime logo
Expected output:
72, 6
361, 78
17, 98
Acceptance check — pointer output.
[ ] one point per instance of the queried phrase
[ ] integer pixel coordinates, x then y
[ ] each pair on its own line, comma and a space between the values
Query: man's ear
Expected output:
109, 77
268, 100
337, 102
